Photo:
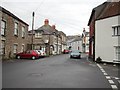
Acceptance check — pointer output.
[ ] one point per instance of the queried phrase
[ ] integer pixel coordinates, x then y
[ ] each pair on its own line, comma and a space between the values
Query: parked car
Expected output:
75, 54
28, 54
66, 51
41, 53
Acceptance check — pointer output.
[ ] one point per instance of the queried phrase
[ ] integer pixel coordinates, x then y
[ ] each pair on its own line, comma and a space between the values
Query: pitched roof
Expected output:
47, 29
112, 9
97, 11
12, 15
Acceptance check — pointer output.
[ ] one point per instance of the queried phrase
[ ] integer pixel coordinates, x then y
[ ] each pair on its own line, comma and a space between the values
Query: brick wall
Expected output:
11, 39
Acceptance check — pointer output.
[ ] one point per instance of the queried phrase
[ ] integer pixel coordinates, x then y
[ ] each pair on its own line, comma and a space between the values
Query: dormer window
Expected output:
116, 31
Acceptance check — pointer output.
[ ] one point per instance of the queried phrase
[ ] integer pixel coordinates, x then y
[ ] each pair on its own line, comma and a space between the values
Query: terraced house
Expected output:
105, 32
14, 33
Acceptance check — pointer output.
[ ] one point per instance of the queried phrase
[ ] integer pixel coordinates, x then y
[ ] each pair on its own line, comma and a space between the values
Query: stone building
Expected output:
13, 35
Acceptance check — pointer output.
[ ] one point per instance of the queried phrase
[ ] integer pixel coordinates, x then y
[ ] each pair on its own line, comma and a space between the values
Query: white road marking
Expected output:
111, 81
119, 81
105, 73
114, 87
116, 78
108, 77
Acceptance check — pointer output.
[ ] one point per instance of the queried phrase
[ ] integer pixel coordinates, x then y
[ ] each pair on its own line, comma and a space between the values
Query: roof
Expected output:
12, 15
97, 11
112, 9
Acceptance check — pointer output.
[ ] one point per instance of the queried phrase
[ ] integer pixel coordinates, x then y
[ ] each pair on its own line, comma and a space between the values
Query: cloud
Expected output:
70, 16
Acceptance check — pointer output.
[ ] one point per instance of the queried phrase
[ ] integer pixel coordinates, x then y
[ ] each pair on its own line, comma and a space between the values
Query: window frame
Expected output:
3, 47
23, 31
15, 49
3, 29
16, 29
116, 30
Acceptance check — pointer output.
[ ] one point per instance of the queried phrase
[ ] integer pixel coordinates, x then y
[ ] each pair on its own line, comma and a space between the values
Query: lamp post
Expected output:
33, 14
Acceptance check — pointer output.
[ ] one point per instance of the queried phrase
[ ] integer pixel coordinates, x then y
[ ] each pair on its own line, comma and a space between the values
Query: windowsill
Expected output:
115, 35
116, 60
15, 35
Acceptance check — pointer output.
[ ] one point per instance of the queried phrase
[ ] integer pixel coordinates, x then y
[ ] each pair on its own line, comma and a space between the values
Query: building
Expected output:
64, 39
85, 41
13, 34
47, 38
74, 43
106, 28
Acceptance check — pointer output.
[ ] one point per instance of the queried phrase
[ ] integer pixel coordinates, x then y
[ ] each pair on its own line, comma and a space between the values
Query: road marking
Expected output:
114, 87
119, 81
117, 78
108, 77
111, 81
105, 73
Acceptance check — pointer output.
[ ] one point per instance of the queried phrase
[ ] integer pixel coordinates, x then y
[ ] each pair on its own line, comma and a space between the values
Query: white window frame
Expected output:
22, 48
15, 46
16, 28
117, 53
3, 27
23, 31
38, 35
116, 30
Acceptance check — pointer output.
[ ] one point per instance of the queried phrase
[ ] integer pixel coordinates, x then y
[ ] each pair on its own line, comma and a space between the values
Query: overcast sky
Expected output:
69, 16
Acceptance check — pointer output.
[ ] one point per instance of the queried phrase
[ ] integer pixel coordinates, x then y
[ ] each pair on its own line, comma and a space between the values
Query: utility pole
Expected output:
33, 14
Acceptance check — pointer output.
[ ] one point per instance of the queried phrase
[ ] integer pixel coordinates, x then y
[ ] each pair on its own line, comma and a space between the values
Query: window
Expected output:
3, 47
38, 35
15, 48
23, 48
117, 53
16, 29
3, 27
116, 31
23, 32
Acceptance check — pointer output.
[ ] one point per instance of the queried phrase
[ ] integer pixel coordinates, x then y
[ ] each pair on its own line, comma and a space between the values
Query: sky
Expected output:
69, 16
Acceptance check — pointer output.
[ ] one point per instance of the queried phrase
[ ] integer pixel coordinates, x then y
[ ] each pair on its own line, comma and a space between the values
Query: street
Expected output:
53, 72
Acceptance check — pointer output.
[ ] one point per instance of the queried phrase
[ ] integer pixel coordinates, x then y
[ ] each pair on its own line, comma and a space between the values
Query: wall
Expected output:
10, 39
104, 42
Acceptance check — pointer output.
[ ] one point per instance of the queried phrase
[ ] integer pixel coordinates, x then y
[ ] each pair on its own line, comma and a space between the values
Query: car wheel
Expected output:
33, 57
18, 57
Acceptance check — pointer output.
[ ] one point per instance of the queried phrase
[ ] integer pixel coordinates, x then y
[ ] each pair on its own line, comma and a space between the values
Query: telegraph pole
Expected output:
33, 14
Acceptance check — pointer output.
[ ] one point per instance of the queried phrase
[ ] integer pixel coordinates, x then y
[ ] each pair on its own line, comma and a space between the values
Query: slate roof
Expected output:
105, 10
12, 15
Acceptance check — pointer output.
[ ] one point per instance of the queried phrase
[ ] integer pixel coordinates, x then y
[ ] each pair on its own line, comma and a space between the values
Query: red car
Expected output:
28, 54
66, 51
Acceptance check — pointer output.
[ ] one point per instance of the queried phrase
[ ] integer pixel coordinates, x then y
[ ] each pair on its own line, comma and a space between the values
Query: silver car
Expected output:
75, 54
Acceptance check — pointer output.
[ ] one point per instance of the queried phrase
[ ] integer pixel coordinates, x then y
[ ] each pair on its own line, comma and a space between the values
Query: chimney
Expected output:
46, 22
53, 26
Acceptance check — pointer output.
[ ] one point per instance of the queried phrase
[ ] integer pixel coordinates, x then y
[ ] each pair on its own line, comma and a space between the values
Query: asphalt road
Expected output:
53, 72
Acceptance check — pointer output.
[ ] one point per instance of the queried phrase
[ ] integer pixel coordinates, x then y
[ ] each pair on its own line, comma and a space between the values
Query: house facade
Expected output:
85, 41
13, 34
64, 40
47, 38
107, 32
75, 43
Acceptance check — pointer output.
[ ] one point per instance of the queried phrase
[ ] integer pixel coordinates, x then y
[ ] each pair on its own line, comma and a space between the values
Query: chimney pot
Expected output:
46, 22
